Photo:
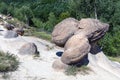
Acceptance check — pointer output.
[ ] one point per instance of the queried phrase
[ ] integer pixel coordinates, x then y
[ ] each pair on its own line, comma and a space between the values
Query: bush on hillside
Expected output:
8, 62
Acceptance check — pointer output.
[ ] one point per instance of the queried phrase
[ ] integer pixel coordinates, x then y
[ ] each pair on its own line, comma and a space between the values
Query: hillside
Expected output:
39, 67
43, 15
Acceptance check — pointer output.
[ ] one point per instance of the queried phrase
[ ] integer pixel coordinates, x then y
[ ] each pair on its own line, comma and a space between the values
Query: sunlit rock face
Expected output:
64, 30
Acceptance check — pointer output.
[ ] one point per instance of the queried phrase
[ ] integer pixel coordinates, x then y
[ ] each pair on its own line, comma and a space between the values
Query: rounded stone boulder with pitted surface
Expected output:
64, 30
28, 48
75, 49
77, 37
93, 29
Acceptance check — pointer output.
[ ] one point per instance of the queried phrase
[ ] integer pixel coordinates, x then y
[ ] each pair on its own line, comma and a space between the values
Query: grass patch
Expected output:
114, 59
43, 35
36, 56
6, 76
49, 47
8, 62
73, 70
40, 34
29, 31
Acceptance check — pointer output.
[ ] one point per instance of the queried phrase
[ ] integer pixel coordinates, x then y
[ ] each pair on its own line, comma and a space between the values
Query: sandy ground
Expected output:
41, 67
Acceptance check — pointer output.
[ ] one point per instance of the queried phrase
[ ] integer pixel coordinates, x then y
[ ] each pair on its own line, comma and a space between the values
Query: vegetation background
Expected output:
45, 14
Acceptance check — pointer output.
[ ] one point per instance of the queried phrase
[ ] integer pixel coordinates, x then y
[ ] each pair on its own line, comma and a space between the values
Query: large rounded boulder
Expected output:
59, 65
93, 29
64, 30
78, 37
75, 49
28, 48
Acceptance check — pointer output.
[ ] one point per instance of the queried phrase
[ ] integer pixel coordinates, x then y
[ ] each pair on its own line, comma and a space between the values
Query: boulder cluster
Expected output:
9, 31
12, 32
77, 37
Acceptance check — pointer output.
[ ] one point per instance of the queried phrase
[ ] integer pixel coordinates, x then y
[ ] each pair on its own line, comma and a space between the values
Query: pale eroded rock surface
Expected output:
93, 29
75, 49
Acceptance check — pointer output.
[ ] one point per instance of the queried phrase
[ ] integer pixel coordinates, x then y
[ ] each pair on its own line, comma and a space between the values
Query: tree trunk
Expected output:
95, 10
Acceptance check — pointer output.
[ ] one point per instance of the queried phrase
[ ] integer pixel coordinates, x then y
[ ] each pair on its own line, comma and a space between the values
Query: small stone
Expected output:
10, 34
59, 65
29, 48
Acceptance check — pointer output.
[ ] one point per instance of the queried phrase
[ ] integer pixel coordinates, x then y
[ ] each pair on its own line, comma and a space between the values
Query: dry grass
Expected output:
73, 70
42, 35
34, 32
115, 59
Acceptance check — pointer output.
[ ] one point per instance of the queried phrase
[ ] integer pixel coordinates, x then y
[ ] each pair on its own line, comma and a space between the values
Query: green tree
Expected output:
24, 13
3, 8
51, 22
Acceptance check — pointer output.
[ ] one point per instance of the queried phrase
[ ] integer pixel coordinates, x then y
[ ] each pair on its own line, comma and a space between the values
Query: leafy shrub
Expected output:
52, 20
24, 14
8, 62
17, 23
3, 8
38, 23
46, 26
110, 44
64, 15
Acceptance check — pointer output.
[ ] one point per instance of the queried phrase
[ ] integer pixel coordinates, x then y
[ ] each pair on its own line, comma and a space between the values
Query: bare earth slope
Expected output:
41, 68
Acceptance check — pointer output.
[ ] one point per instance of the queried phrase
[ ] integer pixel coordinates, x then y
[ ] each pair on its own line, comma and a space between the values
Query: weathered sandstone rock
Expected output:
64, 30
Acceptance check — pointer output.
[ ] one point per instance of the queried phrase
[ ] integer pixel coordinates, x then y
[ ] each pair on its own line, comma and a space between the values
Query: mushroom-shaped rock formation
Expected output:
77, 37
